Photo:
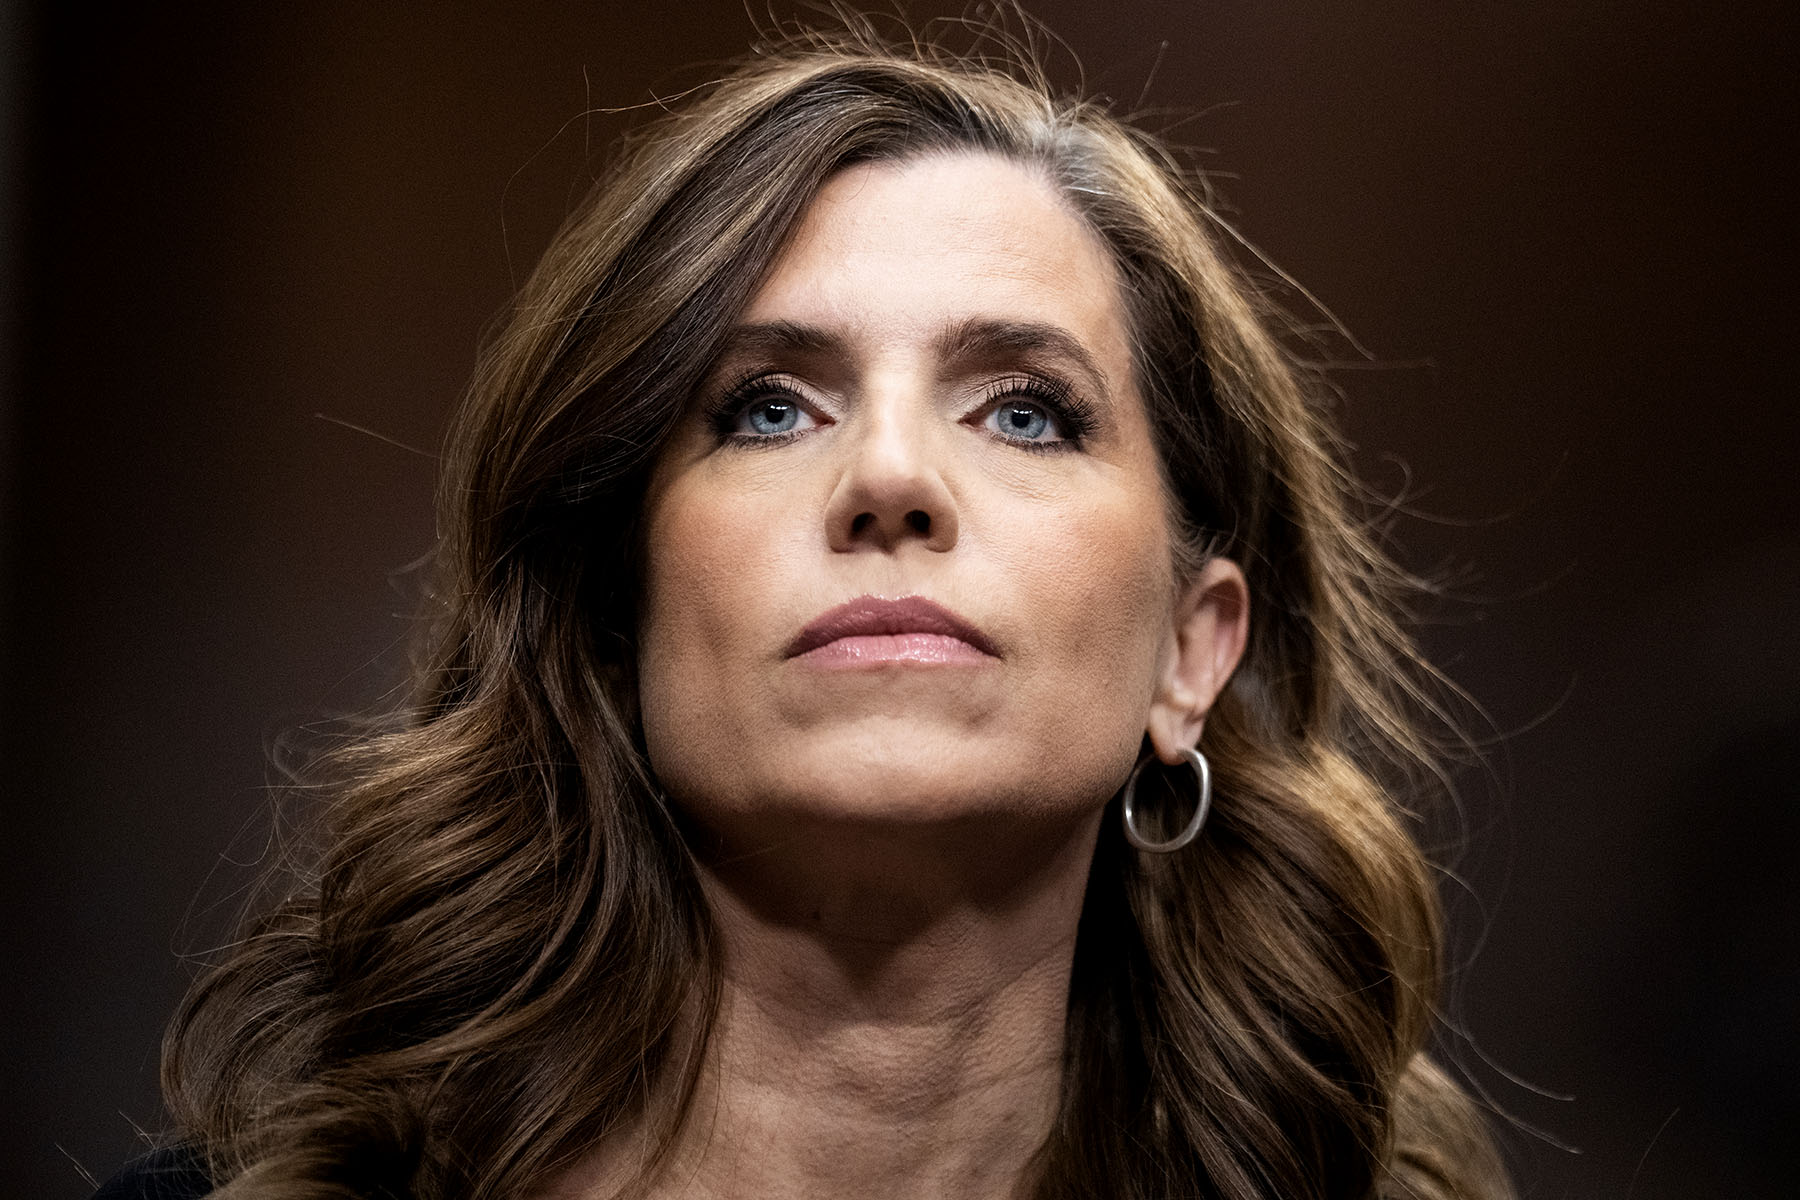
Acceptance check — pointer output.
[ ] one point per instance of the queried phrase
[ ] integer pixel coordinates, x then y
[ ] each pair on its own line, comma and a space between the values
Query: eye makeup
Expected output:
753, 388
1075, 416
771, 397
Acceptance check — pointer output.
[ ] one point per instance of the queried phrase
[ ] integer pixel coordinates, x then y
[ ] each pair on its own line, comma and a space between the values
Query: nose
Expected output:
892, 489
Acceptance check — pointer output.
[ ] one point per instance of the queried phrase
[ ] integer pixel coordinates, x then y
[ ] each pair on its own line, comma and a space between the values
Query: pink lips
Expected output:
870, 630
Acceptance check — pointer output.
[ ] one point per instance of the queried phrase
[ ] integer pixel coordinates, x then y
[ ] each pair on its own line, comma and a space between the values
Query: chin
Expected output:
890, 782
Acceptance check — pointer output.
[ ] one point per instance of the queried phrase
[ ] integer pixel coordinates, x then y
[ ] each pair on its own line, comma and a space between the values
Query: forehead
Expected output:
904, 249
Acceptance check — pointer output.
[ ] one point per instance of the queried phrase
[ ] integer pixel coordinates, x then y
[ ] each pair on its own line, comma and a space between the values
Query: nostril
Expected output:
863, 524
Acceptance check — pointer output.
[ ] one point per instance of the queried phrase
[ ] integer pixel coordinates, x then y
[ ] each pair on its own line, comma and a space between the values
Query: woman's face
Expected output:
908, 557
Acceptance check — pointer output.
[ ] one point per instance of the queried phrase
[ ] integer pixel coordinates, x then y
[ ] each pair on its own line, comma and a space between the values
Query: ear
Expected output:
1208, 628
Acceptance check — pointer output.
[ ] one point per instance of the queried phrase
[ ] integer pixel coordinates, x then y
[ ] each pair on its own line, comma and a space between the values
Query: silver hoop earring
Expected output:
1197, 761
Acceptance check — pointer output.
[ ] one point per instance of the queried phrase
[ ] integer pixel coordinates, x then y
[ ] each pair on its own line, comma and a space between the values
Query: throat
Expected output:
894, 1030
890, 1025
951, 1104
891, 1022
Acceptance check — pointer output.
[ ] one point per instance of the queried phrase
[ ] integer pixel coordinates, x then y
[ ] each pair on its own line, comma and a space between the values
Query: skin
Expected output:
896, 853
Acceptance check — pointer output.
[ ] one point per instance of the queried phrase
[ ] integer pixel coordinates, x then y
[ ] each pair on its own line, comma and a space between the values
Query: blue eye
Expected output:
1037, 412
1023, 420
761, 412
769, 416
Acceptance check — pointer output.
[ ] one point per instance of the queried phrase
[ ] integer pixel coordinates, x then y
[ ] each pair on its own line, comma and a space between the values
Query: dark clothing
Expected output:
173, 1173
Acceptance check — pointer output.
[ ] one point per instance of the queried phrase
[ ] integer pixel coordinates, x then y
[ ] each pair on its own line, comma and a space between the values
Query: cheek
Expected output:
721, 560
696, 566
1110, 600
713, 552
692, 562
1097, 586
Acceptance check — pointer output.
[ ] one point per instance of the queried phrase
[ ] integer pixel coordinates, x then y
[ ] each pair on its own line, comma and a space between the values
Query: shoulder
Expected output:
172, 1173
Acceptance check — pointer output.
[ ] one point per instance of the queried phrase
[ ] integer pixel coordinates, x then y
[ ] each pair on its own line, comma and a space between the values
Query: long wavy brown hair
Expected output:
501, 954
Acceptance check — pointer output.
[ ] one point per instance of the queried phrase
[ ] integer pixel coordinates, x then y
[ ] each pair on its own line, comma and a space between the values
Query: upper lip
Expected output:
869, 615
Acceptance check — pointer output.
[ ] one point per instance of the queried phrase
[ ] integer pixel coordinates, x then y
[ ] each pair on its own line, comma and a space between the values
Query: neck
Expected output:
892, 1015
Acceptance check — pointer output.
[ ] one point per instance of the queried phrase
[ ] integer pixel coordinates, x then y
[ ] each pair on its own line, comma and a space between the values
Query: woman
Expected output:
908, 711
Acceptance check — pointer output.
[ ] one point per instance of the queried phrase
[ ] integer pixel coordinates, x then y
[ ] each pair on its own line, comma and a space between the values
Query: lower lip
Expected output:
872, 650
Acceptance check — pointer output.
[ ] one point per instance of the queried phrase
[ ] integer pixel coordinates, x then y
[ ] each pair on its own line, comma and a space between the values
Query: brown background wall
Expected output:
1578, 216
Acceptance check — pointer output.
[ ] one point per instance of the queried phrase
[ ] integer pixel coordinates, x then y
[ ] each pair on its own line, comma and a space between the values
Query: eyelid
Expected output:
1073, 415
747, 385
731, 402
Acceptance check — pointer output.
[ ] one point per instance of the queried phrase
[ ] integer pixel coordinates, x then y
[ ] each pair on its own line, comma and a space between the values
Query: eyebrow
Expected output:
773, 337
972, 338
980, 337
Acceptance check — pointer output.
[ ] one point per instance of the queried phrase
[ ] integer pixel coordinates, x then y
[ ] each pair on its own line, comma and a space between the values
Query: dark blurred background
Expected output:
1566, 229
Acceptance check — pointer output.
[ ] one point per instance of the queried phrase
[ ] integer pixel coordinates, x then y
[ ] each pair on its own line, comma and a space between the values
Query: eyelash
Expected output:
757, 385
1074, 416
